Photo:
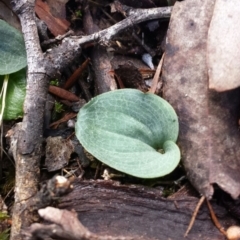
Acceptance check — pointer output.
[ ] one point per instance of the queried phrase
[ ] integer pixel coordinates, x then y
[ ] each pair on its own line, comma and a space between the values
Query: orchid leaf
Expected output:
12, 49
131, 131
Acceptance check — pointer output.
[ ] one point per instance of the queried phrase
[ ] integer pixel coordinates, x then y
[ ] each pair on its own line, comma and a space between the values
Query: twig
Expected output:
56, 40
70, 82
194, 215
97, 170
64, 119
134, 35
156, 76
120, 83
215, 220
135, 17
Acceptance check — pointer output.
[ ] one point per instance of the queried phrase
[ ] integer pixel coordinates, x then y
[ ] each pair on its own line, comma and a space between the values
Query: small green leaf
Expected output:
126, 128
16, 91
4, 235
12, 49
3, 216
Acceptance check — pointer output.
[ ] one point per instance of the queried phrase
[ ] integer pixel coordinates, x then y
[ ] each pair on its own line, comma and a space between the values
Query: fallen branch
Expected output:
141, 212
135, 17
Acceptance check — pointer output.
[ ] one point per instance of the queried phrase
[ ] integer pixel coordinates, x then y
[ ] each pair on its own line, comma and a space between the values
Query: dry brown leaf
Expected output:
58, 8
224, 46
57, 26
63, 94
209, 137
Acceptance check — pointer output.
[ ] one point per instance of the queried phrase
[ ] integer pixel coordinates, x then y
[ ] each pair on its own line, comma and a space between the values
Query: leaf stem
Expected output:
3, 92
3, 96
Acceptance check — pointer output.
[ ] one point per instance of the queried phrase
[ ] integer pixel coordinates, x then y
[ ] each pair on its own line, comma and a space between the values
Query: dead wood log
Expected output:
108, 208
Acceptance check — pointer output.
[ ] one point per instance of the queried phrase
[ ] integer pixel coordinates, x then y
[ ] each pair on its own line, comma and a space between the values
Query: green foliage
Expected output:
127, 130
12, 49
58, 107
3, 216
12, 60
16, 91
5, 234
78, 13
54, 82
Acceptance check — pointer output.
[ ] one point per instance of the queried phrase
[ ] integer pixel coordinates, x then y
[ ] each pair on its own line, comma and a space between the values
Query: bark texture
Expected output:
109, 208
29, 136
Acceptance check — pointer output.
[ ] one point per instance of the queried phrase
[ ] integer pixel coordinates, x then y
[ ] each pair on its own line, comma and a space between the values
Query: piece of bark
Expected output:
58, 153
108, 208
209, 137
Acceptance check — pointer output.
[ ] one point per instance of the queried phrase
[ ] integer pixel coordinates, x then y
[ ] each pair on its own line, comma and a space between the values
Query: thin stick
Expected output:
4, 87
135, 17
194, 215
3, 95
66, 117
135, 36
120, 83
215, 220
156, 76
71, 81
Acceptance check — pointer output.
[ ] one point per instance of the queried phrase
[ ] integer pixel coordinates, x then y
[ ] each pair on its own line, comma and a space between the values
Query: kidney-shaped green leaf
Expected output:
16, 91
12, 49
126, 128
